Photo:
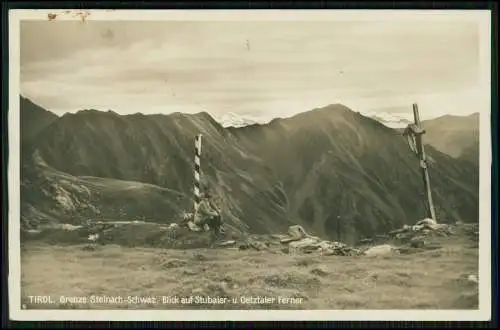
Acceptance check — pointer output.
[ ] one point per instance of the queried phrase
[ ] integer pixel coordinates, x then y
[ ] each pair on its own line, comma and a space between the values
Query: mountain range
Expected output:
332, 170
391, 119
457, 136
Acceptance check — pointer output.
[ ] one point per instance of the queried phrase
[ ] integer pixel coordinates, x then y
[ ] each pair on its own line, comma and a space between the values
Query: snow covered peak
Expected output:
231, 119
392, 120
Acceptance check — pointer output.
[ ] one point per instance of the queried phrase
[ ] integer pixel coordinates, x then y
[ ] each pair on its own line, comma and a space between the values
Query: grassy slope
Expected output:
424, 280
56, 195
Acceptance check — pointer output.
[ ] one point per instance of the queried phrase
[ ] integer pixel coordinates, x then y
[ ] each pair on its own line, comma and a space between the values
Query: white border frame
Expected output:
482, 17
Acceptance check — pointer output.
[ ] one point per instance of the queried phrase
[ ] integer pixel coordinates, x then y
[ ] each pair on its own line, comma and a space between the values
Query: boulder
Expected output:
243, 247
473, 278
417, 227
93, 237
380, 250
173, 226
259, 246
193, 227
417, 242
320, 270
297, 232
303, 244
427, 222
227, 243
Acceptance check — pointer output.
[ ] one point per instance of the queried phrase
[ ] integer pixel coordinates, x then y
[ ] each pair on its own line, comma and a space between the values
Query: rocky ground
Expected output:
422, 267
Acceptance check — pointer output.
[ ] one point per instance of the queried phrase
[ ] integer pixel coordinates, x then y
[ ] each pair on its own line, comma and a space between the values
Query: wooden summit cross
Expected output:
414, 134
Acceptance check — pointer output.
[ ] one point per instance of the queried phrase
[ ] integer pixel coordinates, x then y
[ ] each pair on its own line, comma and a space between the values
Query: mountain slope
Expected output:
157, 150
337, 173
33, 119
453, 135
349, 174
51, 196
471, 154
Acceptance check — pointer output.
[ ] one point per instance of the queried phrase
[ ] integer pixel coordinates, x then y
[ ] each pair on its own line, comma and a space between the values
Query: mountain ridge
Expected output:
33, 118
454, 135
344, 176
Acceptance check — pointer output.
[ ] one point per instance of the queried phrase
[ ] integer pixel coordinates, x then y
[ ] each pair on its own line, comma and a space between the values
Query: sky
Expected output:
259, 69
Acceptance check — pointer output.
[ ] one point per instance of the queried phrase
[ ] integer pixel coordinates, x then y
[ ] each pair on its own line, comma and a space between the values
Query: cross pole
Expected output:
415, 133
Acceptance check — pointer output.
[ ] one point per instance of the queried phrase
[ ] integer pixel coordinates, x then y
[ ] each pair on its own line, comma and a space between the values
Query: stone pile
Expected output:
299, 241
423, 228
408, 239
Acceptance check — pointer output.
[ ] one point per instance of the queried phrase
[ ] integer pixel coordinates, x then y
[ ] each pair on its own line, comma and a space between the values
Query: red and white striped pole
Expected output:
197, 172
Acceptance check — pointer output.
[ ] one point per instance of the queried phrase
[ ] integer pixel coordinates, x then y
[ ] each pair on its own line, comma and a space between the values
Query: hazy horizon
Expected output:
259, 70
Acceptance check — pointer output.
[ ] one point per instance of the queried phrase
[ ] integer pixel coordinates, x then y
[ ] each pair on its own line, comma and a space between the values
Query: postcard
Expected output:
249, 165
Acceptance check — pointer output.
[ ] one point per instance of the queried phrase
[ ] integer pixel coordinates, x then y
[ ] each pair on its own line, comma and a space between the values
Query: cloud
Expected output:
291, 67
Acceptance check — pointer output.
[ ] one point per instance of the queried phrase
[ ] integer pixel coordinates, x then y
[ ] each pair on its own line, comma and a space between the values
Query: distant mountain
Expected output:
456, 136
232, 119
334, 171
33, 119
392, 120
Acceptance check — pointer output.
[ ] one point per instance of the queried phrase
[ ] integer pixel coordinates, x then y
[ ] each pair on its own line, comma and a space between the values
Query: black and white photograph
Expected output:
249, 165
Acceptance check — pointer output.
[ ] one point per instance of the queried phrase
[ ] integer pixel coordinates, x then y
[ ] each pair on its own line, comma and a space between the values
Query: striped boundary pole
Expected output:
197, 154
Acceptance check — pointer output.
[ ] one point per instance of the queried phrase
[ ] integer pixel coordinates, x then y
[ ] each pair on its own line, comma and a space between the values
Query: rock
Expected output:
200, 257
69, 227
398, 231
366, 241
193, 227
197, 290
259, 246
89, 247
379, 250
302, 244
417, 242
173, 226
355, 252
426, 222
227, 243
402, 236
278, 237
381, 238
305, 262
288, 240
93, 237
331, 245
315, 244
417, 227
473, 279
321, 270
433, 246
191, 272
174, 263
297, 231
